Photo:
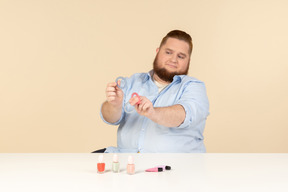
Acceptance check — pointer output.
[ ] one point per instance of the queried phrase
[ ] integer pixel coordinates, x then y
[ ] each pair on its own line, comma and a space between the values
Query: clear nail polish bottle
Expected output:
115, 164
130, 166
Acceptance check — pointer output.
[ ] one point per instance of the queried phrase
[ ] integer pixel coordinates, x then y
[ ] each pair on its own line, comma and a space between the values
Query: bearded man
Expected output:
171, 109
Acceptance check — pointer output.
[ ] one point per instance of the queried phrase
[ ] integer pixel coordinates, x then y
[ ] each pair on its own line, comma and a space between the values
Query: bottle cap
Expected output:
115, 158
100, 159
167, 167
130, 160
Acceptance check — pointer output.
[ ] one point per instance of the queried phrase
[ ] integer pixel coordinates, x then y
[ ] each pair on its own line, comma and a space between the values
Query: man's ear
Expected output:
157, 50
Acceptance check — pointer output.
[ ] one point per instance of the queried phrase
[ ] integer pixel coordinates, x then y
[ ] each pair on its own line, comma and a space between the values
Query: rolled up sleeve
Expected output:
195, 102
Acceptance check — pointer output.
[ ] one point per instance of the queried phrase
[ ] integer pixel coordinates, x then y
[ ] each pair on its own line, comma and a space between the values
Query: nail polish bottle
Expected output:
100, 164
130, 166
115, 164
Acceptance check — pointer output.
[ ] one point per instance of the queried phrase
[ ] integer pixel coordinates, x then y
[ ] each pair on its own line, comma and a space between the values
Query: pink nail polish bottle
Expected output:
100, 164
130, 166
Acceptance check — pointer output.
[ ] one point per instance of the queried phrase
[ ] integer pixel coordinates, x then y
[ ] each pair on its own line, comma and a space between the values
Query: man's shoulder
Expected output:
187, 78
140, 76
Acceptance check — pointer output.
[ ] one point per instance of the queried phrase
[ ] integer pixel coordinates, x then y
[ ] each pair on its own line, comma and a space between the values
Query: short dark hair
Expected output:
180, 35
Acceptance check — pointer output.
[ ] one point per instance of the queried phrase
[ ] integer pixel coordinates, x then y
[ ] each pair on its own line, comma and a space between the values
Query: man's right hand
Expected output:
112, 107
114, 94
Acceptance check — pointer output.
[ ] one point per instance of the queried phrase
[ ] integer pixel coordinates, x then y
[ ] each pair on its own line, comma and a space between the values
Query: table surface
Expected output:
190, 172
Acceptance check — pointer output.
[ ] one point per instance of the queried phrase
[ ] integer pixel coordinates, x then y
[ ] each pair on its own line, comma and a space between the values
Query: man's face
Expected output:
172, 59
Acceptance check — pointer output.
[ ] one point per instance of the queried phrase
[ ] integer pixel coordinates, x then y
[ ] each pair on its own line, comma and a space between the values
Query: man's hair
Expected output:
180, 35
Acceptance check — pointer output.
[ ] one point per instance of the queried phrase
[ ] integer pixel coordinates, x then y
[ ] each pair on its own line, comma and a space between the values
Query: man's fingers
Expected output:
112, 88
111, 98
111, 93
134, 100
145, 106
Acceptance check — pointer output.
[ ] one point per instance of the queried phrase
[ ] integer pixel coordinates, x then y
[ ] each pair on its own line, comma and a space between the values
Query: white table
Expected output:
190, 172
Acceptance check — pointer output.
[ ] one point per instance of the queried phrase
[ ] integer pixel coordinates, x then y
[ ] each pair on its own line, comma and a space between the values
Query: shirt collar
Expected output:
148, 76
178, 78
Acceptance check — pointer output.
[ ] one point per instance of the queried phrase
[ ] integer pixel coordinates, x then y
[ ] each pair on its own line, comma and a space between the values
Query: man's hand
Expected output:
112, 108
145, 106
114, 94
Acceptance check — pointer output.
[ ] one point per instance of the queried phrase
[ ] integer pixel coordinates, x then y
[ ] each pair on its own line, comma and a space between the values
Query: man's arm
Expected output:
171, 116
111, 113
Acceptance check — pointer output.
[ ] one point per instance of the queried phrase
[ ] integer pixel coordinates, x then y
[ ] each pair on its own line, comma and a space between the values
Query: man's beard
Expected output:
164, 74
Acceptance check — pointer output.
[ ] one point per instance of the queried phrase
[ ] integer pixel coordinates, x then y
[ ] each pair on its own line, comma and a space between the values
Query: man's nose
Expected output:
174, 58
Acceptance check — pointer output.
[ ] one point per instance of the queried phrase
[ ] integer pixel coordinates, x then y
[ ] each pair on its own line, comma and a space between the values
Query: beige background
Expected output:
56, 58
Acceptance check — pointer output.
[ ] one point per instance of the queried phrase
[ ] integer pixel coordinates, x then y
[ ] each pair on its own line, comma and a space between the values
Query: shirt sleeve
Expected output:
195, 103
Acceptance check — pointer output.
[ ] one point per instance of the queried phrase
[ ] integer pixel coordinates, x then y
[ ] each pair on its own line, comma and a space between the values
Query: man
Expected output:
171, 115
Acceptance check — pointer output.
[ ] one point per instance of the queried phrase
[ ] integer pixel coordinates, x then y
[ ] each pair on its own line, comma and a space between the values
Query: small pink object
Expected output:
154, 169
136, 94
129, 108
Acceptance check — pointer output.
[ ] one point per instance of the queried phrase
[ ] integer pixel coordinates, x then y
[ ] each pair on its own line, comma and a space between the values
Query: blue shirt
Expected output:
137, 133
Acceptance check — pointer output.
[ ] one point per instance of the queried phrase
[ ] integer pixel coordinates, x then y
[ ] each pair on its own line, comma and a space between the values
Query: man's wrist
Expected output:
154, 114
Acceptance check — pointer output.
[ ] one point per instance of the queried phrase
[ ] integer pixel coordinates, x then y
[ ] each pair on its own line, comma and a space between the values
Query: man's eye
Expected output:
181, 57
168, 52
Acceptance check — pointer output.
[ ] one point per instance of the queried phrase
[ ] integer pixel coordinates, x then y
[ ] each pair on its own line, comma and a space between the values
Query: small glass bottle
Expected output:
100, 164
130, 166
115, 164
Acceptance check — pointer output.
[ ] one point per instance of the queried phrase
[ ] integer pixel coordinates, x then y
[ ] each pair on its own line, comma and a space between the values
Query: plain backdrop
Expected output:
56, 57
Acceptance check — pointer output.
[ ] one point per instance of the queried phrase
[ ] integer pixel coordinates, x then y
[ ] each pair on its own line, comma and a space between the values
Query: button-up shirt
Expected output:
138, 133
